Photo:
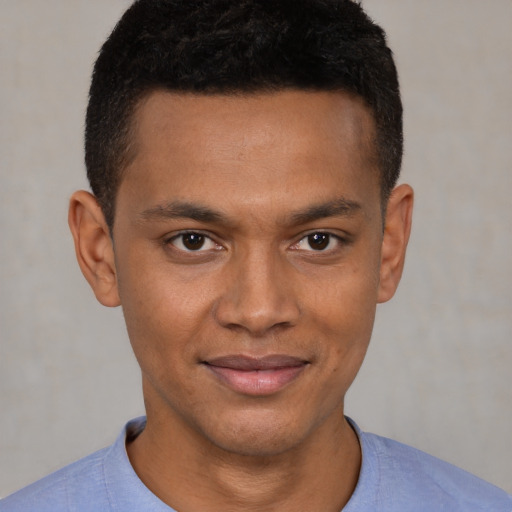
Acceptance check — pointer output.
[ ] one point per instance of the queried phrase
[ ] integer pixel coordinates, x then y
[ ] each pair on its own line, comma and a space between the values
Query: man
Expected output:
243, 158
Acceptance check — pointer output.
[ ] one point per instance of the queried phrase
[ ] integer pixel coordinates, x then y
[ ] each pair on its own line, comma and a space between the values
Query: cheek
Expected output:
343, 309
161, 317
348, 327
346, 299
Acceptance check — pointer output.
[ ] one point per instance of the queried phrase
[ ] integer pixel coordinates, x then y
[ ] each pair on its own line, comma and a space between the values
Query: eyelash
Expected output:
204, 238
331, 237
322, 237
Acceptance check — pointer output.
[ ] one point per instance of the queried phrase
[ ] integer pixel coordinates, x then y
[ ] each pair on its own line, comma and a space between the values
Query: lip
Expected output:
256, 376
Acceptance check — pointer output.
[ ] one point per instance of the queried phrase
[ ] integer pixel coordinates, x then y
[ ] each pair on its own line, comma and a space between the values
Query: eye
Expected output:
317, 242
193, 242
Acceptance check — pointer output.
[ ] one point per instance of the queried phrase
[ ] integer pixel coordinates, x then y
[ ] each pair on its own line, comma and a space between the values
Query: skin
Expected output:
253, 178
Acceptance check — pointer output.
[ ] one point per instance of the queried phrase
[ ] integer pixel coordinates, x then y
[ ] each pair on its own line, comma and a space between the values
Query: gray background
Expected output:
437, 375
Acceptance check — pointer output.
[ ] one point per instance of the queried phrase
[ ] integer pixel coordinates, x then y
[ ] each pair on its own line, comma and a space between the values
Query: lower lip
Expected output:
257, 382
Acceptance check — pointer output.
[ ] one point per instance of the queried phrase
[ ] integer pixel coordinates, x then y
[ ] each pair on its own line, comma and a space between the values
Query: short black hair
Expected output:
233, 47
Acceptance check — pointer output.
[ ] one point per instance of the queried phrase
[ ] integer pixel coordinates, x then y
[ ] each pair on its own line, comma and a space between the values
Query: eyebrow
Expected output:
338, 208
186, 210
182, 210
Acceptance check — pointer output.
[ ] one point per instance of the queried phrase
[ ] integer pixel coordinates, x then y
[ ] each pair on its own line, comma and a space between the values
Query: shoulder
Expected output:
101, 482
80, 484
409, 476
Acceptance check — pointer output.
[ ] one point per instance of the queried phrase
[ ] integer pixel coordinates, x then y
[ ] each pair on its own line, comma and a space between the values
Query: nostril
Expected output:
257, 319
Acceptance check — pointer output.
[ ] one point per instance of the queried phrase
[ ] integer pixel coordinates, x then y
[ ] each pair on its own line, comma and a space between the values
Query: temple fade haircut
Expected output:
235, 47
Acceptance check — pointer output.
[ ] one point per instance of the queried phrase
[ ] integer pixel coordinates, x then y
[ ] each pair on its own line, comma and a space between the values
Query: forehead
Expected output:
226, 119
217, 146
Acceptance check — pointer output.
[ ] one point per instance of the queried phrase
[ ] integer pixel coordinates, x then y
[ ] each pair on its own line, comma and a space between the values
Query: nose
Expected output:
258, 295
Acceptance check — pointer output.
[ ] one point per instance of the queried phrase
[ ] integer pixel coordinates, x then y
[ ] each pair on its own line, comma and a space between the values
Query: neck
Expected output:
189, 472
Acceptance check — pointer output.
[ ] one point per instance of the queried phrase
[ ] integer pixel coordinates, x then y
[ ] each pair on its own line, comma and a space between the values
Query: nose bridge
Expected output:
258, 296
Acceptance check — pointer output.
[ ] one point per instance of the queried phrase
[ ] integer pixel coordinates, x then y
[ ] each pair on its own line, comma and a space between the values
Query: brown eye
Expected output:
189, 242
193, 241
319, 241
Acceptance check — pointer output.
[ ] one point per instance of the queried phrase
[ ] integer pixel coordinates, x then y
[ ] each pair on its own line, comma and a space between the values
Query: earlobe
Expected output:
394, 244
93, 247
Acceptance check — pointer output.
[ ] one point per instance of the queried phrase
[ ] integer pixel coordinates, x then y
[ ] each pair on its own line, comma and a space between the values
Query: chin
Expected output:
256, 444
257, 436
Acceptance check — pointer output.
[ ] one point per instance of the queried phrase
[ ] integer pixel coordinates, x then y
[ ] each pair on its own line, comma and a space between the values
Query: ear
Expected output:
394, 243
93, 247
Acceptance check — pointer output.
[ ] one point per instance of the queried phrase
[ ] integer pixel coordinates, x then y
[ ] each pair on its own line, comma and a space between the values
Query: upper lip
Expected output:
248, 363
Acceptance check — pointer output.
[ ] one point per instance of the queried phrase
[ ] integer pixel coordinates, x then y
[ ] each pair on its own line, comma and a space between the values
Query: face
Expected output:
247, 245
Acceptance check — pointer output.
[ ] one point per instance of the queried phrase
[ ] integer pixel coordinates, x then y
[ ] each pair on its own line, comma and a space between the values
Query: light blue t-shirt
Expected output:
393, 478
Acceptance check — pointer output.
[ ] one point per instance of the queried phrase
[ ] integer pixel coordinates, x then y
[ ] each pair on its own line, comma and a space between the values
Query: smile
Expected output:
256, 376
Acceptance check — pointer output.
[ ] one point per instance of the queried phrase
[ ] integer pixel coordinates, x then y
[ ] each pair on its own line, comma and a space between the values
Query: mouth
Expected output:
256, 376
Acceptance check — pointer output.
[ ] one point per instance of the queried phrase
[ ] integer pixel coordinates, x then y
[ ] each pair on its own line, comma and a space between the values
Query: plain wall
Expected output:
438, 373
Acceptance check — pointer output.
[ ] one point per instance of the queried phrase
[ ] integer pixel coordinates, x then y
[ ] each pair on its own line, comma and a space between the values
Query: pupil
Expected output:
193, 241
318, 241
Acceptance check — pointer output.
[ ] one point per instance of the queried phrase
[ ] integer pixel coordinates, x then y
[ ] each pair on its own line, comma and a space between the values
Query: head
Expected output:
241, 154
234, 48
